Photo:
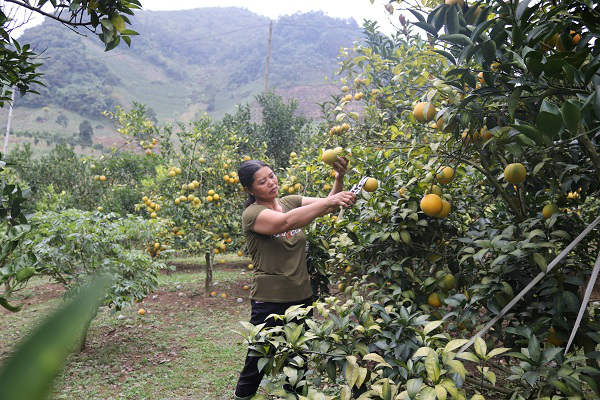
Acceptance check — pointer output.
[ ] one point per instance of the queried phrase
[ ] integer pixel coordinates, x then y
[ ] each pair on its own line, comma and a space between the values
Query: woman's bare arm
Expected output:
270, 222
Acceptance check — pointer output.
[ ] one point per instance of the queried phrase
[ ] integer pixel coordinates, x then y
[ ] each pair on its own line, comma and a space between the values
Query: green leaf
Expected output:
513, 101
458, 39
540, 261
489, 375
458, 367
533, 348
440, 392
480, 347
533, 133
413, 386
481, 28
449, 56
549, 120
4, 303
429, 28
571, 116
488, 50
430, 326
422, 352
455, 344
346, 393
432, 366
331, 369
497, 351
416, 14
521, 9
452, 20
28, 374
377, 358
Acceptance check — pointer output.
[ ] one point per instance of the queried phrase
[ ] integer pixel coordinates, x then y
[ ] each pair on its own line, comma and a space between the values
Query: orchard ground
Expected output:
183, 347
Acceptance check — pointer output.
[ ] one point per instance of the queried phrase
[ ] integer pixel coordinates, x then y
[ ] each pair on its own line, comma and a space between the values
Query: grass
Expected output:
184, 346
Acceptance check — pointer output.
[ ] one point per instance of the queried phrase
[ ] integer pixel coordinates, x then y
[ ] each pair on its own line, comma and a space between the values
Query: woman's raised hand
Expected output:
342, 199
340, 165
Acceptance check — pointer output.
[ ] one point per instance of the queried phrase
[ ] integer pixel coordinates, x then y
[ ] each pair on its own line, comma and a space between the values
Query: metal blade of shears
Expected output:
356, 190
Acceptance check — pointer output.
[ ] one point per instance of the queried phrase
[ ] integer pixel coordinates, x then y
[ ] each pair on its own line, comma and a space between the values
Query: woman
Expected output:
276, 243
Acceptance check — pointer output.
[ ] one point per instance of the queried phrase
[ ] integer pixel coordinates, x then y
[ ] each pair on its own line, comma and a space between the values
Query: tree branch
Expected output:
49, 15
484, 385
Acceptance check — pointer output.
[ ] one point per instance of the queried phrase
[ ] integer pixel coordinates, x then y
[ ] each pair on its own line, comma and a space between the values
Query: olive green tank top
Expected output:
280, 273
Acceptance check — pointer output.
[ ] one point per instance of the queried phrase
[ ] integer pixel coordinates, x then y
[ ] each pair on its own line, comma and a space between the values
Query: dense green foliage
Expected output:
503, 93
64, 171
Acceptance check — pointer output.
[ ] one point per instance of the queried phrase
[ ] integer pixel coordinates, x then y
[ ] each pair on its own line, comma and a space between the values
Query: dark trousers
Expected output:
250, 377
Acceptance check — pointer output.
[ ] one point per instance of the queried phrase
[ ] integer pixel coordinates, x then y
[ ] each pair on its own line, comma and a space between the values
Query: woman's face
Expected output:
265, 185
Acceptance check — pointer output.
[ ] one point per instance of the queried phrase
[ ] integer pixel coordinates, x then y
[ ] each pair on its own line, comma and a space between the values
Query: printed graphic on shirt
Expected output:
287, 234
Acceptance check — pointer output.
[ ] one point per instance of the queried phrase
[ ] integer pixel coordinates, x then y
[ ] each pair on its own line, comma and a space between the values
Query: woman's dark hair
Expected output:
246, 173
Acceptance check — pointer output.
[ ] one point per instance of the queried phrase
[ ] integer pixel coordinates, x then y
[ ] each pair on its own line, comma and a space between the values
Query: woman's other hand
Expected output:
340, 167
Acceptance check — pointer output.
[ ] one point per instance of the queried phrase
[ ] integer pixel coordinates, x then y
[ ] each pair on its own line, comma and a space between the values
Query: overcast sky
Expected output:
357, 9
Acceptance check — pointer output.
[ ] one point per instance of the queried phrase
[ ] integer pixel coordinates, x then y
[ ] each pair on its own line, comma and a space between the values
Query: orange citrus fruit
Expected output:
431, 204
515, 173
445, 175
371, 185
445, 209
434, 300
549, 210
424, 112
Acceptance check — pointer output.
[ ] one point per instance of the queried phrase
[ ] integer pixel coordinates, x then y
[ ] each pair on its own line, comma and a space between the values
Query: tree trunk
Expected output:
209, 271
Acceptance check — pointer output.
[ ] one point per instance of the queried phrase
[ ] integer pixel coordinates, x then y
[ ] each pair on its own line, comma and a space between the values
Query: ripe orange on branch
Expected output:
330, 155
431, 204
549, 210
371, 185
424, 112
445, 209
434, 300
515, 173
445, 175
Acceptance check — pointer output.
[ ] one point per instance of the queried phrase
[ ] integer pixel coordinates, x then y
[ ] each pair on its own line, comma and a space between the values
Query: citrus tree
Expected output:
482, 140
195, 189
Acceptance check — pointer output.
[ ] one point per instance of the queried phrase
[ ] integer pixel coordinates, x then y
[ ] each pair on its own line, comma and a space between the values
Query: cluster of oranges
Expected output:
151, 206
177, 232
432, 204
213, 196
339, 129
148, 146
473, 137
174, 171
214, 294
221, 245
155, 248
195, 201
100, 178
292, 186
231, 177
350, 97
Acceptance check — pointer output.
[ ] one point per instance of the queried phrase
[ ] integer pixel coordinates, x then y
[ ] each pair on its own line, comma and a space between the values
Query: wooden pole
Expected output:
268, 56
10, 111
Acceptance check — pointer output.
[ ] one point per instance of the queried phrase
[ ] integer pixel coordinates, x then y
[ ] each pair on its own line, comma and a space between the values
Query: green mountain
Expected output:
184, 63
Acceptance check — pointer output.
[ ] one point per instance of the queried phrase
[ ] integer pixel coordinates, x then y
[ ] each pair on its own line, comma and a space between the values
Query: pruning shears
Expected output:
356, 190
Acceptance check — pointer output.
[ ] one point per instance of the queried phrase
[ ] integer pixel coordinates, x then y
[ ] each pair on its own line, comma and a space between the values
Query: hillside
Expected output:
184, 63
